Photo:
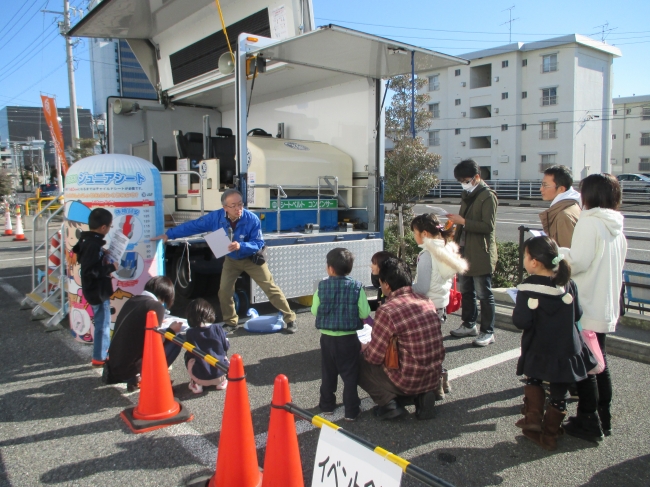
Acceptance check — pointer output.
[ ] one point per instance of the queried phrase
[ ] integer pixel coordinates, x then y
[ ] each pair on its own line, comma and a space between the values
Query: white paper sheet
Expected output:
537, 233
365, 334
117, 247
218, 242
436, 210
171, 319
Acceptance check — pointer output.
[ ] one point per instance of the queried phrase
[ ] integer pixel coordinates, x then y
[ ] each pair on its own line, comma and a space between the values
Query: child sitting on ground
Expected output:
339, 304
437, 264
209, 338
96, 282
552, 349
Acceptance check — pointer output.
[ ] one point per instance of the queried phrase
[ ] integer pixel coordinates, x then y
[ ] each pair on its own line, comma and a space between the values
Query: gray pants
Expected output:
376, 383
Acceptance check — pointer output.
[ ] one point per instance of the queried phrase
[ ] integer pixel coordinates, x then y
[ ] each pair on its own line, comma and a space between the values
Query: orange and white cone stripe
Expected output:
20, 234
55, 250
8, 228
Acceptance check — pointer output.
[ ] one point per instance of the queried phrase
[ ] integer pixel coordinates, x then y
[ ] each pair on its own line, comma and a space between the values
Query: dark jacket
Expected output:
127, 343
95, 274
211, 340
479, 208
552, 348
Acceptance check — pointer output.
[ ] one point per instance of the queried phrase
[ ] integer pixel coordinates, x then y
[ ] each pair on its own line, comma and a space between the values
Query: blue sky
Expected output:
32, 54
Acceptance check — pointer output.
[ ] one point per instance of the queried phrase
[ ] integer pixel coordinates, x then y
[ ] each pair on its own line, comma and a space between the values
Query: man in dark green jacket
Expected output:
475, 235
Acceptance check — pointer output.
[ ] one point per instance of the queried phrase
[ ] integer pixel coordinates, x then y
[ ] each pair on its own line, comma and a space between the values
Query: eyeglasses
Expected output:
235, 205
546, 185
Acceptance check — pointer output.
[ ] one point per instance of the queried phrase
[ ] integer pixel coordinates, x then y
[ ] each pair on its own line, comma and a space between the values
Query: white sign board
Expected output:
279, 28
183, 179
342, 462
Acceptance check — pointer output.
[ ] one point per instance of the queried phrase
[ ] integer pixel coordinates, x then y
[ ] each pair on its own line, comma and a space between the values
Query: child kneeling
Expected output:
339, 306
209, 338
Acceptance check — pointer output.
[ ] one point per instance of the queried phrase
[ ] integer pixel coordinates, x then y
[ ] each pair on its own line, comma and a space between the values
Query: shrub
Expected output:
505, 274
391, 243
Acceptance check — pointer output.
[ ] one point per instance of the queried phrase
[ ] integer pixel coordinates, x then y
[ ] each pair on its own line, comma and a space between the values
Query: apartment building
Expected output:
520, 108
631, 135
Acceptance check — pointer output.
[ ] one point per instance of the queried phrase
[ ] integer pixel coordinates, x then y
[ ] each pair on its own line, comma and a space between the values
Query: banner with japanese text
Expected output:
52, 120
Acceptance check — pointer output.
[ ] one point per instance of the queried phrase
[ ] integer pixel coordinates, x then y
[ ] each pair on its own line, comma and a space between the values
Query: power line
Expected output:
12, 18
22, 26
29, 56
39, 39
43, 78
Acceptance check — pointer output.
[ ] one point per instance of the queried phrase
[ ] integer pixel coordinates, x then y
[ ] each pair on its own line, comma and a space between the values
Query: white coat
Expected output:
596, 256
445, 262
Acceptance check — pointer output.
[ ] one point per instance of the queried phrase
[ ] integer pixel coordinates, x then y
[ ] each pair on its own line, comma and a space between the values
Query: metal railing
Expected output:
548, 67
546, 101
548, 134
189, 185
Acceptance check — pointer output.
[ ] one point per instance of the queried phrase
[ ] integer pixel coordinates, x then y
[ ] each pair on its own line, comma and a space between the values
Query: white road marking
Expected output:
205, 451
22, 258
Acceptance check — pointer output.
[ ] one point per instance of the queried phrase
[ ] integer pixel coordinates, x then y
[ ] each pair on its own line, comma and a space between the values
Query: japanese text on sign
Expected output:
106, 178
303, 204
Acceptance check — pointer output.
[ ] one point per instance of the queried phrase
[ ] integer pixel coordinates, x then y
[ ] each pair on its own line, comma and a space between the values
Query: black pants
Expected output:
603, 379
340, 356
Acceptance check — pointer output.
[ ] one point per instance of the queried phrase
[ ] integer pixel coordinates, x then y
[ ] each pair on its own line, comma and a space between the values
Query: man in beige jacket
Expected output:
560, 219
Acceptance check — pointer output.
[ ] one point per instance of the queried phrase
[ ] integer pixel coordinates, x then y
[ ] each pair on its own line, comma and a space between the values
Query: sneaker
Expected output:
326, 414
465, 331
483, 340
291, 327
194, 387
391, 410
223, 385
352, 418
97, 363
228, 329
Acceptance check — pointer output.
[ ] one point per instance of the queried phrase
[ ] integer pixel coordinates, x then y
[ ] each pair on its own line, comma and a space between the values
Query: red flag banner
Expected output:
52, 120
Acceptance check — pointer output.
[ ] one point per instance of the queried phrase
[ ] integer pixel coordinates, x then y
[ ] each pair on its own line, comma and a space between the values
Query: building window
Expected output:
615, 112
434, 82
434, 108
457, 72
548, 131
627, 160
644, 164
504, 64
457, 132
434, 137
613, 136
524, 126
548, 160
524, 63
504, 127
645, 138
627, 136
457, 102
645, 113
628, 111
504, 96
549, 63
523, 158
549, 97
524, 94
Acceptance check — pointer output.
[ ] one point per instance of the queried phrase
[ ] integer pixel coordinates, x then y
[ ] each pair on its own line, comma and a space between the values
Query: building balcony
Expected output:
546, 101
548, 134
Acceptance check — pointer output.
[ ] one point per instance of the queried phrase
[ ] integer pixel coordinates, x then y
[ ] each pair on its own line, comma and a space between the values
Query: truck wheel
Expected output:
181, 276
242, 302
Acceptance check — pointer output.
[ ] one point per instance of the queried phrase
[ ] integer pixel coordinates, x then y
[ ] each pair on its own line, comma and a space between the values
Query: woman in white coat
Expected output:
597, 256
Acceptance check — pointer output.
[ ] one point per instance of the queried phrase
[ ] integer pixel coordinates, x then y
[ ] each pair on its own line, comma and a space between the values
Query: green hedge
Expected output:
505, 274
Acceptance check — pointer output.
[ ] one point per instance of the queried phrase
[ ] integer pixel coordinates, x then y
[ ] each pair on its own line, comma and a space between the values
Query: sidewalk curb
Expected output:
616, 346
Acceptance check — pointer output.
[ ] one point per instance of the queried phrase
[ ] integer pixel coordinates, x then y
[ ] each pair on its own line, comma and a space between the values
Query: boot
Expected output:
585, 426
532, 410
439, 391
605, 420
551, 429
446, 387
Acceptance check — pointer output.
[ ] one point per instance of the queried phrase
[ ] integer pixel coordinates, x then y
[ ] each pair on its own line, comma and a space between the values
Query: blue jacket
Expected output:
248, 231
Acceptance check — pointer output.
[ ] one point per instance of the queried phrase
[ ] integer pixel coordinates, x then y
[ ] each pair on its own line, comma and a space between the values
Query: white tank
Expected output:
294, 163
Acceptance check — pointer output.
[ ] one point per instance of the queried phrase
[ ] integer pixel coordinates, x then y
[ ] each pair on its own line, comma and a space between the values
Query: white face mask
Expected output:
469, 187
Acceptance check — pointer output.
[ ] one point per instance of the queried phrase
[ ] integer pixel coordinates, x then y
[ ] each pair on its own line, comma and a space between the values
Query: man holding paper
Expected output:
245, 233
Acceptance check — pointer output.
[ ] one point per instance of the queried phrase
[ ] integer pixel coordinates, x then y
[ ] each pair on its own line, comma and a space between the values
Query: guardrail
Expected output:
634, 192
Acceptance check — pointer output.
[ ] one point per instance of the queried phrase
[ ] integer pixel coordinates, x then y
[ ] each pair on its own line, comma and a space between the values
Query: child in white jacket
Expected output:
437, 264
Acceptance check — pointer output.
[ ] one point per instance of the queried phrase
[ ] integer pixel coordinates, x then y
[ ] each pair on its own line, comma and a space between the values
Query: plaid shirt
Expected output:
413, 319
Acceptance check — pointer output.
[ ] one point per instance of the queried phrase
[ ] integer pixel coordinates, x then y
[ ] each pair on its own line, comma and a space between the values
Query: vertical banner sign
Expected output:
52, 120
341, 462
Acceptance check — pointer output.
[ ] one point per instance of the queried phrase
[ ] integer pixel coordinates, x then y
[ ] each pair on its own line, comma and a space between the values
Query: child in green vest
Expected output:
340, 304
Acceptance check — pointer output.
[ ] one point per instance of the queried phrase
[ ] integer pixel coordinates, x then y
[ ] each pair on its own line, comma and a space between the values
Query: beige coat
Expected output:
560, 220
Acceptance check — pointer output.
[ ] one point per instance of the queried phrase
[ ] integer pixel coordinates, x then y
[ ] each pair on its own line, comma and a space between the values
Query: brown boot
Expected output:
532, 410
446, 387
551, 429
439, 391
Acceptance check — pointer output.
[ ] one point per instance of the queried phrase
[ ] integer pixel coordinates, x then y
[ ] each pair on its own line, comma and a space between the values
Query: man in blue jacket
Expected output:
246, 234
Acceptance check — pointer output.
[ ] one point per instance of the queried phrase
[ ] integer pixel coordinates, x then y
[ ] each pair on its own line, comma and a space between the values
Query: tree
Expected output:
6, 183
409, 166
86, 149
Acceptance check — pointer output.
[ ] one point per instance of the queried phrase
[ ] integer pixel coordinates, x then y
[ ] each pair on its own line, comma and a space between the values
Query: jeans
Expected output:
102, 335
471, 287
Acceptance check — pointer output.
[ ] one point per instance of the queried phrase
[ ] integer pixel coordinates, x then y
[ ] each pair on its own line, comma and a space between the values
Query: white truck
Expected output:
317, 184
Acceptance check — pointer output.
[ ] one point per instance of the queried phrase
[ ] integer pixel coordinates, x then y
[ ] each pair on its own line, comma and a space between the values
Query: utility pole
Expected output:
74, 122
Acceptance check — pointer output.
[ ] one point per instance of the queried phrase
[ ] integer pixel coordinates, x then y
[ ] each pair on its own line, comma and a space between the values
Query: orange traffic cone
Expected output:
157, 406
8, 229
282, 466
20, 234
237, 458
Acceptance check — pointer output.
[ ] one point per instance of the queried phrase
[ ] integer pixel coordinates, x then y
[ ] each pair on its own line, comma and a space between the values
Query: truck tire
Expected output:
242, 302
181, 277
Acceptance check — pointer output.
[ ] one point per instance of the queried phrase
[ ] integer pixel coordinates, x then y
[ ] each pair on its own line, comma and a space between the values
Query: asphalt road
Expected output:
59, 424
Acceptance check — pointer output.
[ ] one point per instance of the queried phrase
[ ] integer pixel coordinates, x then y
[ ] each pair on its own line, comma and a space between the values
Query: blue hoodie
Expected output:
248, 231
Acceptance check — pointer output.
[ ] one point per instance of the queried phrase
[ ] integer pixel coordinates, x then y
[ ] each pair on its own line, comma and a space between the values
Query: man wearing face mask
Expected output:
475, 235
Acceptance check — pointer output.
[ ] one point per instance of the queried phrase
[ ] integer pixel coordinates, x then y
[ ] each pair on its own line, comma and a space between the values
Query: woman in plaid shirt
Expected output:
412, 318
